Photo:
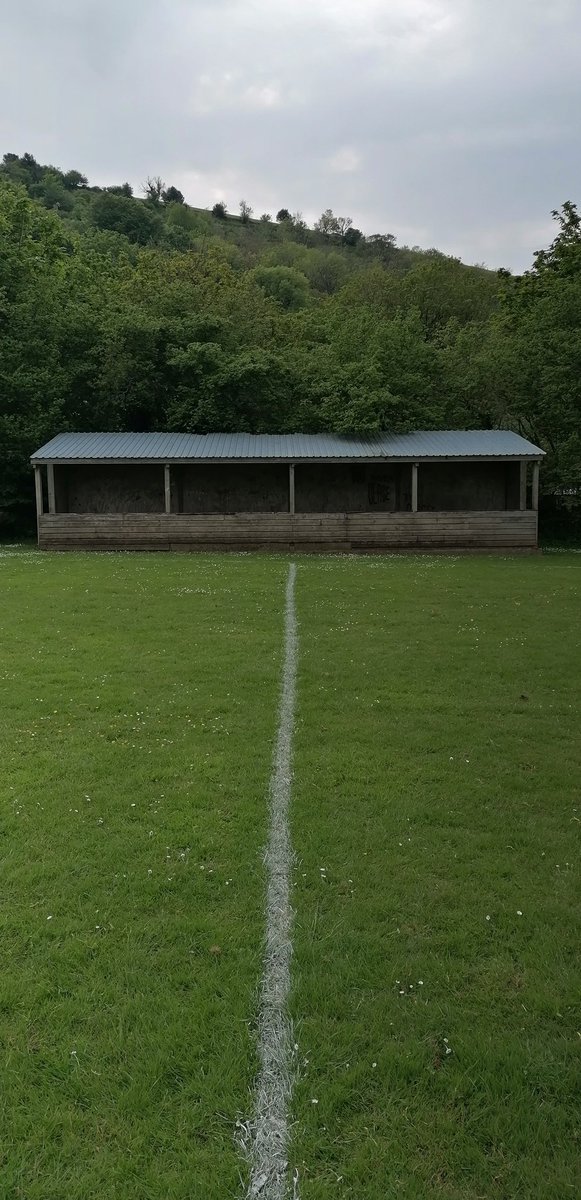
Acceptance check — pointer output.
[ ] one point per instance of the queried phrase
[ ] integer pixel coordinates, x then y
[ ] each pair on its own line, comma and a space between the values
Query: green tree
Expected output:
382, 246
195, 222
344, 225
33, 256
352, 236
120, 189
286, 285
129, 217
327, 223
325, 271
74, 179
52, 192
172, 195
443, 289
540, 328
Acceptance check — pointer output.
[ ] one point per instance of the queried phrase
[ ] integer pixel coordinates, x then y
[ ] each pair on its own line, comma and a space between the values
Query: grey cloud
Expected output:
453, 121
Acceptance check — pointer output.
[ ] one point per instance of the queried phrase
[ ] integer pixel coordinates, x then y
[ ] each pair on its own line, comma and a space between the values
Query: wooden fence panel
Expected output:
331, 531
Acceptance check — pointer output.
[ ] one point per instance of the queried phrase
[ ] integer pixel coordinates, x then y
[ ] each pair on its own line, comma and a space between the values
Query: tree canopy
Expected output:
126, 313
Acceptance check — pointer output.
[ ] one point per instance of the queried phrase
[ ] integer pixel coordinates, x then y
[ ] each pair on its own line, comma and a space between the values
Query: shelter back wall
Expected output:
468, 487
109, 489
205, 488
319, 488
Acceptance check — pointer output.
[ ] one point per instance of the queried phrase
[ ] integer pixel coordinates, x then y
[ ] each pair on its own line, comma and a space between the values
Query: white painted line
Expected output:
269, 1128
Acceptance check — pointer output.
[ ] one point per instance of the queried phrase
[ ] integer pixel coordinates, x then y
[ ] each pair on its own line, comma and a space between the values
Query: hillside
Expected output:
120, 312
161, 217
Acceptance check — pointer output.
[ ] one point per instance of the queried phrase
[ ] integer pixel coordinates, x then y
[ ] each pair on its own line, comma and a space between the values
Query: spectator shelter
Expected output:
444, 490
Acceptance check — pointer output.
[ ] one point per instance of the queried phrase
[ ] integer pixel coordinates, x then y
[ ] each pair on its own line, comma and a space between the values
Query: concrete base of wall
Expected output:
341, 533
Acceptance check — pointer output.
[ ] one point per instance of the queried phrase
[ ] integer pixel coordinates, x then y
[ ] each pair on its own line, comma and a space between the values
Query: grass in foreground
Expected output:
435, 814
139, 698
436, 818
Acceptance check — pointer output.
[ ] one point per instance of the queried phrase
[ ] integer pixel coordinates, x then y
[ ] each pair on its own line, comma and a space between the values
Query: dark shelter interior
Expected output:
207, 488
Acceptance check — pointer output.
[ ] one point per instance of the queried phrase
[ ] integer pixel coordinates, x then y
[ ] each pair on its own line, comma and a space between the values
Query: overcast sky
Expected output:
449, 123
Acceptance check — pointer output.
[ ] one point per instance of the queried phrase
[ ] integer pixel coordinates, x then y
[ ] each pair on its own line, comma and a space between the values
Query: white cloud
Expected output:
503, 243
262, 96
210, 186
232, 90
344, 161
213, 92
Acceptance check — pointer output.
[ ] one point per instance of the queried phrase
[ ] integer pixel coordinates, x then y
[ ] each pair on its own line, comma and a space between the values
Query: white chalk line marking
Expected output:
268, 1132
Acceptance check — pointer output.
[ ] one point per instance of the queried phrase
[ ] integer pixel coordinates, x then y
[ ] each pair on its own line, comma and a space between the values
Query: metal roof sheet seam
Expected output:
288, 447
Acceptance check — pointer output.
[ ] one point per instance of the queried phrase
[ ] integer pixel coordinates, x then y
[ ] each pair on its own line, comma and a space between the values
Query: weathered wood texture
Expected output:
535, 487
51, 488
38, 493
167, 487
523, 486
414, 487
321, 531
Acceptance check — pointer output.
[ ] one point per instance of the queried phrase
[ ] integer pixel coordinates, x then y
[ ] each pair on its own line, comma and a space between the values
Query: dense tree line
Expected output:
126, 313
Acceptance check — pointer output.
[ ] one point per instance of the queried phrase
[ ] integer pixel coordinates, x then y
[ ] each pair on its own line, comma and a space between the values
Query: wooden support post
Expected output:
535, 487
523, 486
38, 491
51, 491
167, 487
291, 488
414, 487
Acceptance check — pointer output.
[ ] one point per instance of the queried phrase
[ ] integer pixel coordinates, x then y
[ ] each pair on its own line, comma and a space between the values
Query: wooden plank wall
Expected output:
303, 531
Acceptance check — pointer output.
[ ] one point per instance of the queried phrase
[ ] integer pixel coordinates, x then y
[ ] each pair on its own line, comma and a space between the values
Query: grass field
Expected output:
435, 821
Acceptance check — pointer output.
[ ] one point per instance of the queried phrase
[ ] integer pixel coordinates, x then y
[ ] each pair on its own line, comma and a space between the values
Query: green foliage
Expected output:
381, 246
563, 258
327, 223
33, 253
52, 192
73, 180
443, 289
193, 221
352, 236
325, 271
538, 338
127, 216
286, 285
117, 312
172, 195
44, 182
121, 189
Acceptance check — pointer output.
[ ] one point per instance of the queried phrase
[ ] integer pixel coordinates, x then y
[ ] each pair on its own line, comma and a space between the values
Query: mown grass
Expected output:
139, 697
436, 819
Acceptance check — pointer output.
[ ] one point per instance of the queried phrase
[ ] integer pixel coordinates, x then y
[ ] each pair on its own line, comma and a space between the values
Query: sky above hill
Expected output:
449, 123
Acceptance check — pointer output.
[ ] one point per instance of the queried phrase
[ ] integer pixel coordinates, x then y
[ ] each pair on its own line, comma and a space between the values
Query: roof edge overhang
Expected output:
296, 461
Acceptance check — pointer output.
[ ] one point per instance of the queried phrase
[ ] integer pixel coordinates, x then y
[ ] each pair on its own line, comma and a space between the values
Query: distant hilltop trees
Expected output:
55, 190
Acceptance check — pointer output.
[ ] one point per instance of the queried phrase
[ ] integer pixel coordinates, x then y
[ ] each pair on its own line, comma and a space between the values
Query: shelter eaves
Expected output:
427, 446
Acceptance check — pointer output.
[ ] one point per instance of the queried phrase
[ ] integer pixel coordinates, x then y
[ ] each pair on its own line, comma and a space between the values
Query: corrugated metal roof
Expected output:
286, 447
